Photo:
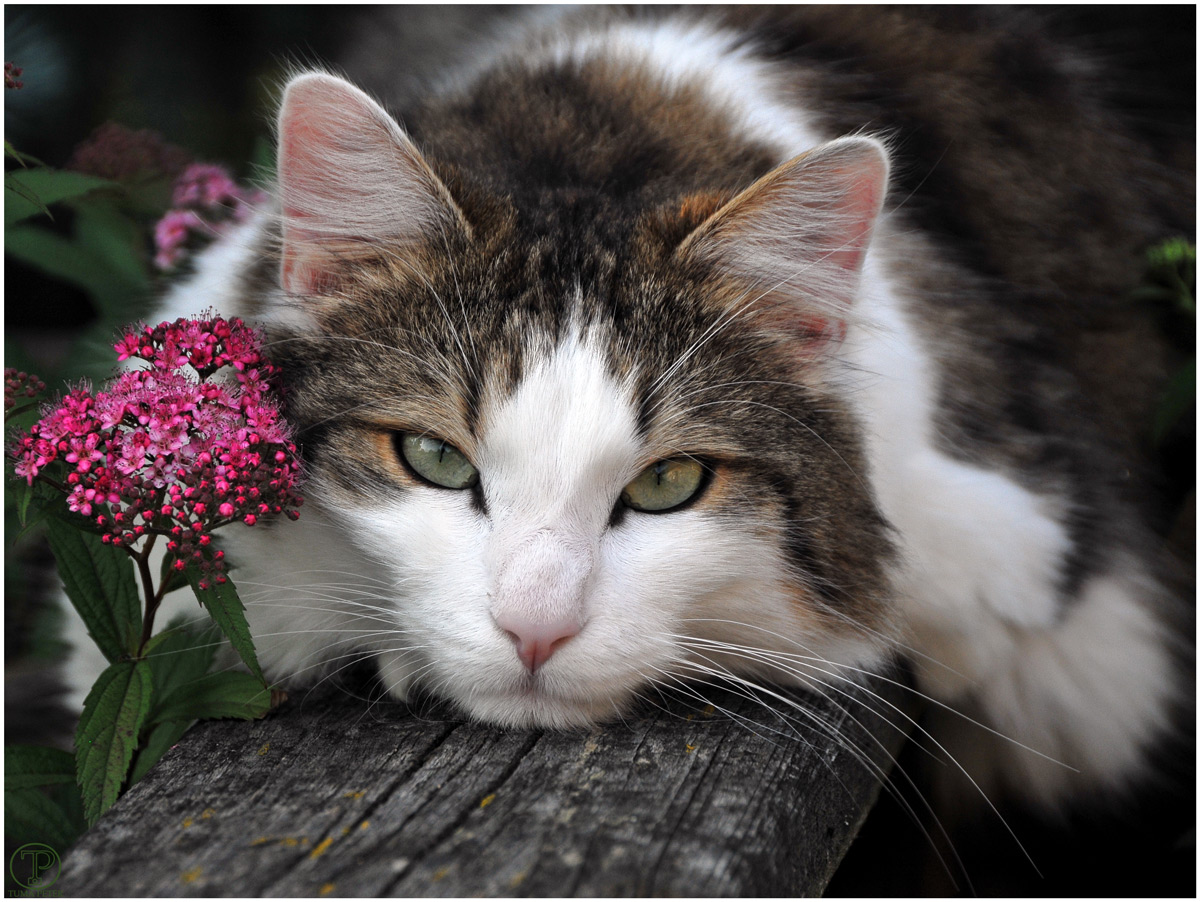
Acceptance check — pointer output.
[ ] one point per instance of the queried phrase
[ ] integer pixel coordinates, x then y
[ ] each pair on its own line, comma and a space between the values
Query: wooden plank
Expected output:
335, 796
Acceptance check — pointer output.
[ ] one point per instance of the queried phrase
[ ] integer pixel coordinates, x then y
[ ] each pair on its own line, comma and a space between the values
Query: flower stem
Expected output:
54, 483
153, 597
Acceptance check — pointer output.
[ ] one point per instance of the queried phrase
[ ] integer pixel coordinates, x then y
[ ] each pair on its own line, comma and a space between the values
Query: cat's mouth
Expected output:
537, 702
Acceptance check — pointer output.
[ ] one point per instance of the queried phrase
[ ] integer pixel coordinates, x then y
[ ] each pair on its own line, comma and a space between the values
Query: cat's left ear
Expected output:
351, 183
795, 240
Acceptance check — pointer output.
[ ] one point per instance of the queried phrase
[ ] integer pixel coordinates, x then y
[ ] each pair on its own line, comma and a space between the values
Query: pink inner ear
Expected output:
844, 246
800, 234
305, 139
349, 180
810, 335
860, 207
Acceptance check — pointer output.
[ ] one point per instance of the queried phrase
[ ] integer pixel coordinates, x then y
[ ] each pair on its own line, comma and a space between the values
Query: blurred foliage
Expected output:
78, 249
1170, 284
204, 78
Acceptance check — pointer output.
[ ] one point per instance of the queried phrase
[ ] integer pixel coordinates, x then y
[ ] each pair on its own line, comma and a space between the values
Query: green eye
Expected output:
437, 461
664, 486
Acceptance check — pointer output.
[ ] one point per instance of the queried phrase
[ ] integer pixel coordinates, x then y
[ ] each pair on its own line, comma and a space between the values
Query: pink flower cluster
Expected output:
19, 384
11, 74
205, 200
166, 449
123, 154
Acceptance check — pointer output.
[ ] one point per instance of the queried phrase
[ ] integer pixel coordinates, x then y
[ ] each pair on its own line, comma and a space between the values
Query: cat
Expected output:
664, 345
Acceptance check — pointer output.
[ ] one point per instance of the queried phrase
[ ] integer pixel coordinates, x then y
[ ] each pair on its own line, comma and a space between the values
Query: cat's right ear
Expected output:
795, 240
350, 182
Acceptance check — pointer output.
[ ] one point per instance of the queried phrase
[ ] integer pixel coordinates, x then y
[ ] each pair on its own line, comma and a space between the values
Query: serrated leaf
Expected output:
222, 602
113, 715
32, 816
26, 766
178, 658
34, 503
227, 694
99, 580
157, 744
48, 186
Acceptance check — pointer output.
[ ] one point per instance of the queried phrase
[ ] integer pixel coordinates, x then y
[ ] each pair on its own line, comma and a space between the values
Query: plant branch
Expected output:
53, 483
153, 596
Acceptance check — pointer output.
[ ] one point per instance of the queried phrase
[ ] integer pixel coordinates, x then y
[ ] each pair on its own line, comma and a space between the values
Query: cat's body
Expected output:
920, 429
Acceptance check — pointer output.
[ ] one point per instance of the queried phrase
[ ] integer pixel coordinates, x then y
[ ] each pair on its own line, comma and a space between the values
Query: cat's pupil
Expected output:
437, 461
665, 485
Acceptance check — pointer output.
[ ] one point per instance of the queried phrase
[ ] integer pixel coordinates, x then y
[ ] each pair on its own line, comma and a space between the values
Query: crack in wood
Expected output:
466, 813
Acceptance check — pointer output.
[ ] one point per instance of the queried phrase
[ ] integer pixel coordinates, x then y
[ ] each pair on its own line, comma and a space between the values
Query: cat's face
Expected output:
591, 451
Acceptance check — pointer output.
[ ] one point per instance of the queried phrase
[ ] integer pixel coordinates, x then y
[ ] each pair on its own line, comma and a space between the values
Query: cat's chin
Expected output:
535, 708
513, 700
531, 706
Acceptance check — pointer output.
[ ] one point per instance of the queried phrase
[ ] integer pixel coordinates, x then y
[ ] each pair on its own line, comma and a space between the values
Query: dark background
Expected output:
205, 78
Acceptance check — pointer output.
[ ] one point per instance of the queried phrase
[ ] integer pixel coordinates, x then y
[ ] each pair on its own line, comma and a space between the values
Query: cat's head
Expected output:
593, 435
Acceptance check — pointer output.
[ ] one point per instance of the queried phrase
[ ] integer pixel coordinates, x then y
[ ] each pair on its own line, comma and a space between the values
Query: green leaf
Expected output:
222, 602
227, 694
1152, 294
149, 197
100, 582
48, 186
26, 766
23, 158
157, 744
17, 194
22, 492
113, 715
32, 816
69, 260
34, 503
69, 799
179, 657
16, 355
103, 231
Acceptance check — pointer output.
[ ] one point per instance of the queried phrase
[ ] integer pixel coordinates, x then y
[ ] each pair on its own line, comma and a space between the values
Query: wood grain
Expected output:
334, 796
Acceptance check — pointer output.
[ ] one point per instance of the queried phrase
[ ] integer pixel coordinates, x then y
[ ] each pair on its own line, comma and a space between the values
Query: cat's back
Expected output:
1034, 195
955, 422
1004, 137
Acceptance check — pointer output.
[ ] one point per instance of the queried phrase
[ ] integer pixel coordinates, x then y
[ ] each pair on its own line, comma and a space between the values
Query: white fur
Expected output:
981, 555
554, 457
680, 54
213, 284
978, 584
973, 537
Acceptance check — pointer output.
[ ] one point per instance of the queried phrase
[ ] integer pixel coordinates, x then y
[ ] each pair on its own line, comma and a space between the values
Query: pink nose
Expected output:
536, 642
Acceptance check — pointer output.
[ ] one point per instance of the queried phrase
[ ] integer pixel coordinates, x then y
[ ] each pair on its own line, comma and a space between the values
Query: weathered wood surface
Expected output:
332, 796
